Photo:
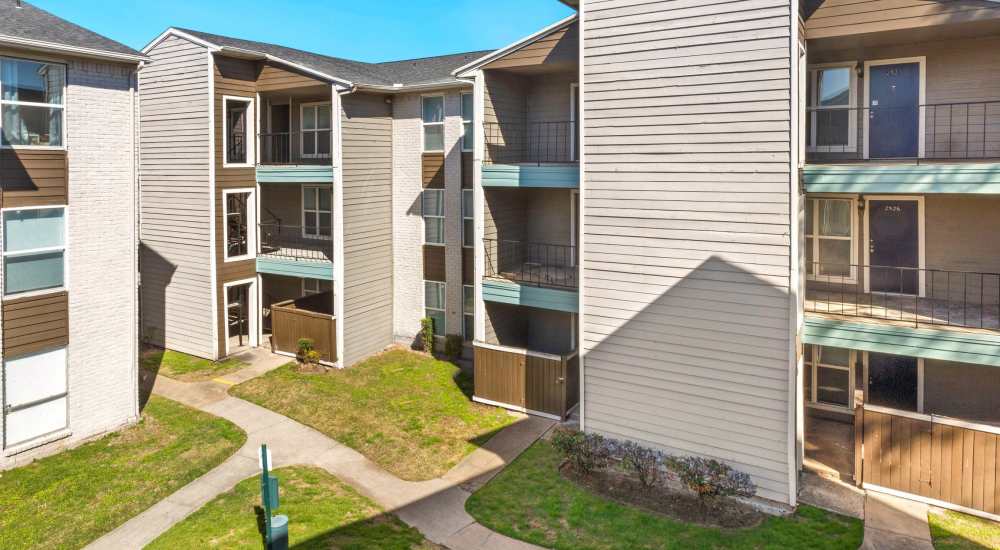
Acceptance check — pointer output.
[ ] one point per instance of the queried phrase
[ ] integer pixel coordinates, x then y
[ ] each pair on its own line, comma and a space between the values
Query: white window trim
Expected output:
303, 210
444, 307
250, 134
921, 238
467, 216
251, 224
572, 121
466, 148
308, 291
61, 106
813, 365
469, 337
423, 125
921, 100
424, 216
812, 233
852, 113
252, 309
64, 248
314, 131
920, 383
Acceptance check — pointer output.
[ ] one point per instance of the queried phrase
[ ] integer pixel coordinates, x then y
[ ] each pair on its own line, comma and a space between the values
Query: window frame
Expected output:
468, 241
470, 121
61, 107
309, 291
251, 224
444, 307
47, 250
424, 216
424, 124
466, 314
812, 201
315, 131
6, 410
814, 365
852, 108
303, 210
249, 131
921, 388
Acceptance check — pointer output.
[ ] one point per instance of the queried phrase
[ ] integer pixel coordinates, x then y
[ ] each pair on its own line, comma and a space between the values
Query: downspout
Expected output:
136, 244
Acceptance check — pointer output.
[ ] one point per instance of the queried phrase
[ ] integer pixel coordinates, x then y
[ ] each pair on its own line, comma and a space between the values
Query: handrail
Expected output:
287, 241
531, 142
537, 264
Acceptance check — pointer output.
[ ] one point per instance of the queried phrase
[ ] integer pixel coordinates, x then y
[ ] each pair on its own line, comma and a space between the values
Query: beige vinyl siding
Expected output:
844, 17
368, 284
686, 230
174, 185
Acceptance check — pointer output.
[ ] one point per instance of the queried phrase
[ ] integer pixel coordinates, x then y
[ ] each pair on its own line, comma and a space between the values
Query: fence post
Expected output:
859, 441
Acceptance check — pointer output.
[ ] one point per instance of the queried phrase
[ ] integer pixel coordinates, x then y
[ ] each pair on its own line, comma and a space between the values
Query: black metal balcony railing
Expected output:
950, 131
923, 297
279, 148
531, 143
293, 242
537, 264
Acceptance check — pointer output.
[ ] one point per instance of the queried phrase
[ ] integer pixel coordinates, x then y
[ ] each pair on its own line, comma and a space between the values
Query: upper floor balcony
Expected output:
531, 154
294, 144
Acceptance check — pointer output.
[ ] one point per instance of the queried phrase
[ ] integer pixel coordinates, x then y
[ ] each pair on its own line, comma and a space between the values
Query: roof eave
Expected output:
404, 88
54, 47
466, 70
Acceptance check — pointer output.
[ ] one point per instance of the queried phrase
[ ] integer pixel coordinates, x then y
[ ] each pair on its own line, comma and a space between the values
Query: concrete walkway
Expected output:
893, 523
435, 507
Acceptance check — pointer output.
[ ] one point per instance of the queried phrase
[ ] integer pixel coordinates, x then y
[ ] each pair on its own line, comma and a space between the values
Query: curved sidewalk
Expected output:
435, 507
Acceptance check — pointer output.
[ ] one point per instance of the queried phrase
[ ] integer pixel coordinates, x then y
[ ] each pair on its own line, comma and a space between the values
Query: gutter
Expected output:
402, 88
66, 49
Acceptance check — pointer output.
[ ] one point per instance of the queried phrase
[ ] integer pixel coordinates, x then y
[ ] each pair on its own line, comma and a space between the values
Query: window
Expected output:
468, 136
316, 286
239, 225
432, 207
833, 120
829, 377
468, 220
434, 305
433, 115
468, 312
237, 139
316, 126
317, 212
37, 391
31, 103
830, 246
34, 249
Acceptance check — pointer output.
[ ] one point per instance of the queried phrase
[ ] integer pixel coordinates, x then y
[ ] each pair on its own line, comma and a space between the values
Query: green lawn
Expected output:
68, 500
323, 513
955, 531
531, 501
405, 411
186, 368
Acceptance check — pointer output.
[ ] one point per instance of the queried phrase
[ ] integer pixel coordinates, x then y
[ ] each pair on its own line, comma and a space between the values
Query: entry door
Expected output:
892, 381
239, 316
894, 246
894, 110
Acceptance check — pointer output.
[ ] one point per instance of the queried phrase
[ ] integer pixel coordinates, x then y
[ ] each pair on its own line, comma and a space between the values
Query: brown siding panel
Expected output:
35, 324
467, 170
468, 266
32, 177
434, 263
433, 170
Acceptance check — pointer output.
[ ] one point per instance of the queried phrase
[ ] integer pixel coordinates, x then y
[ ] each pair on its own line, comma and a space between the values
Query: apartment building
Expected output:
290, 195
68, 206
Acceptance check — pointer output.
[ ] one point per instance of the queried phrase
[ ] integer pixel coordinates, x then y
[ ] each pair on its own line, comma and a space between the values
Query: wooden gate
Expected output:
526, 381
947, 462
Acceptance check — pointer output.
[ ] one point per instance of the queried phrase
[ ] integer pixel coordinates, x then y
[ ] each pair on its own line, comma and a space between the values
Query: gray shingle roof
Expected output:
31, 23
428, 70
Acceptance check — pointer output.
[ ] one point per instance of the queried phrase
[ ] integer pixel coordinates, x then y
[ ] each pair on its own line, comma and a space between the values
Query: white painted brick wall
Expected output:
101, 263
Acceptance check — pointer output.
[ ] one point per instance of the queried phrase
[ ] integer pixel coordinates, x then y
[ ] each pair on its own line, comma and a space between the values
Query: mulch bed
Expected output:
660, 499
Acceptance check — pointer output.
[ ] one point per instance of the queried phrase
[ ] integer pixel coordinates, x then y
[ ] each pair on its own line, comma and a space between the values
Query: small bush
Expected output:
313, 357
644, 462
453, 344
306, 348
427, 334
586, 452
709, 477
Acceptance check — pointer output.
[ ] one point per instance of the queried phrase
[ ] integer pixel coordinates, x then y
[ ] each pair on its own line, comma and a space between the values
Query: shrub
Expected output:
306, 347
453, 344
427, 334
586, 452
313, 357
644, 462
708, 477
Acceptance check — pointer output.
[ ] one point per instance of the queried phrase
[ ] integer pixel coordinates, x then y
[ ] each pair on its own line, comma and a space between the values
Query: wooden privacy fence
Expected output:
527, 381
947, 462
307, 317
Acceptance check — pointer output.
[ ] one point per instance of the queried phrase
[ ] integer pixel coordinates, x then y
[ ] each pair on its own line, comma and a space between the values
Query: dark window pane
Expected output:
236, 125
832, 386
892, 381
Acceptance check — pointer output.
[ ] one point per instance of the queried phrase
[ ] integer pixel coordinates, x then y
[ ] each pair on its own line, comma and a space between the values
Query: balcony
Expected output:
531, 274
291, 250
534, 154
918, 298
294, 157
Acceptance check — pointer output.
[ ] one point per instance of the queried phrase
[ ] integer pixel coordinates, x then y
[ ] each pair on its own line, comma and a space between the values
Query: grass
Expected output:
323, 513
531, 501
405, 411
955, 531
69, 499
186, 368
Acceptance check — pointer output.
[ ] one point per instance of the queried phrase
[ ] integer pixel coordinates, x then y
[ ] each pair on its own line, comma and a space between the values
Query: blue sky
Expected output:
365, 30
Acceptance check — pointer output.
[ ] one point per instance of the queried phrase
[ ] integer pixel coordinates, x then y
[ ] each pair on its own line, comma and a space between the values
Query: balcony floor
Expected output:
904, 309
533, 273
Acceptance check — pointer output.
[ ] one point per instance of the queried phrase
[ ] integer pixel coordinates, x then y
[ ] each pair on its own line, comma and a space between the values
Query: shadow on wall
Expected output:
701, 369
157, 273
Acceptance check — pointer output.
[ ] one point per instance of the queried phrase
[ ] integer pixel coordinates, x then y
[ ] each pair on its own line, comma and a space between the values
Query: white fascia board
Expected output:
399, 88
174, 32
465, 71
54, 47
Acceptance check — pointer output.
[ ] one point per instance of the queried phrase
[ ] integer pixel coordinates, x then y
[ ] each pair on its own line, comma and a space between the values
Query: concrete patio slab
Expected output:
895, 523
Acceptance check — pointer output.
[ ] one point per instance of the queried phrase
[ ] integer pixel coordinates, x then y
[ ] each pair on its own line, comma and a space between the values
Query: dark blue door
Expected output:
893, 246
894, 110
